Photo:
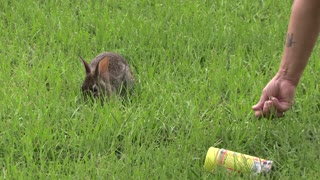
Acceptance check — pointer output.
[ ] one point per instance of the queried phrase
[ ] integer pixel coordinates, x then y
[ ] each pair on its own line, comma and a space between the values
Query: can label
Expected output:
261, 166
241, 162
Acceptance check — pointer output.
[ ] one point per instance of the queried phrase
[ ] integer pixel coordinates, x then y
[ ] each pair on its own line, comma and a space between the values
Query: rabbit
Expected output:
108, 74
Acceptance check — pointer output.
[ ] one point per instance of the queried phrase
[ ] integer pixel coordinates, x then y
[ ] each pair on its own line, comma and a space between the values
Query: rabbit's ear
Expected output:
86, 65
102, 67
96, 71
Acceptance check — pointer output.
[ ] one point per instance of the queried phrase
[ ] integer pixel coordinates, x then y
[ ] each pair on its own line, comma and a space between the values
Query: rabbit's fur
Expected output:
108, 74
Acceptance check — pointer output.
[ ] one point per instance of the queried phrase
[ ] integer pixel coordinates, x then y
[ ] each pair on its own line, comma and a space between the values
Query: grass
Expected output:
199, 67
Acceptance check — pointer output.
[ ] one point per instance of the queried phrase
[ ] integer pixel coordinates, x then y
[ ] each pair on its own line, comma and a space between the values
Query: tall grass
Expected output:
199, 67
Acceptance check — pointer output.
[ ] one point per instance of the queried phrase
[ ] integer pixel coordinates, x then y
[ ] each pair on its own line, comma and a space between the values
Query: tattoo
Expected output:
285, 71
290, 40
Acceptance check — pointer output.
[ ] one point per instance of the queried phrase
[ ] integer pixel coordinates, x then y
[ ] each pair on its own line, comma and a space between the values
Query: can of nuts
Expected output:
235, 161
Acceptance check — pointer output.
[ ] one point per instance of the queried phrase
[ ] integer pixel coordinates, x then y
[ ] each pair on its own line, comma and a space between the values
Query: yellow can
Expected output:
235, 161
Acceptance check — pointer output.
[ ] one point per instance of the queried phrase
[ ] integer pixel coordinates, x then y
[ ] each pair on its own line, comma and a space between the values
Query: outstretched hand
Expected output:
277, 97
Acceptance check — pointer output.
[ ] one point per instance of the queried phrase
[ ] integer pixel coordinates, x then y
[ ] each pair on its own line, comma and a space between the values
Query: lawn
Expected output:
199, 66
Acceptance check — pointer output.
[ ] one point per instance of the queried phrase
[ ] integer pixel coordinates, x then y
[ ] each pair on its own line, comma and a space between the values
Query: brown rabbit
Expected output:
108, 74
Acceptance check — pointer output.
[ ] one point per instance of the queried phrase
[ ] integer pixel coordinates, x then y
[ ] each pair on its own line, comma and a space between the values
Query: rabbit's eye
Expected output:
94, 88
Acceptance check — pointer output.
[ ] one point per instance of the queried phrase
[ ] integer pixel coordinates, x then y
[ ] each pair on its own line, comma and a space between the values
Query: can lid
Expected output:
211, 159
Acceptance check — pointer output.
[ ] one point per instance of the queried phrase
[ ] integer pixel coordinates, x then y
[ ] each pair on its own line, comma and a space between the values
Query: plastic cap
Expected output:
211, 159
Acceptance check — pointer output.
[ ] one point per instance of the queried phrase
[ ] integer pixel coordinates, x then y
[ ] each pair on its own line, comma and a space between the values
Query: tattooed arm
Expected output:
277, 97
302, 34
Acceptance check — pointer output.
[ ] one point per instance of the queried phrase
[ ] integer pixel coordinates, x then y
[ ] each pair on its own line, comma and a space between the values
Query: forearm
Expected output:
302, 34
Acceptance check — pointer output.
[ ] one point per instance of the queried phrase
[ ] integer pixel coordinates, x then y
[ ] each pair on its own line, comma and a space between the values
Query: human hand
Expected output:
277, 97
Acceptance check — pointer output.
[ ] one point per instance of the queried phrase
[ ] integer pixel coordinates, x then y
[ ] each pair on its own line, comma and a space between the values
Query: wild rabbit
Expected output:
108, 74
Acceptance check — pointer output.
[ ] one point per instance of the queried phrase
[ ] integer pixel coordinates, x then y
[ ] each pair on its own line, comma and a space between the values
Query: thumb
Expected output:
280, 106
260, 104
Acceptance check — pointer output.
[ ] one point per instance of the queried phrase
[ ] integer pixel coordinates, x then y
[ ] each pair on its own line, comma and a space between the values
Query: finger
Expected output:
260, 104
259, 107
258, 113
267, 108
281, 107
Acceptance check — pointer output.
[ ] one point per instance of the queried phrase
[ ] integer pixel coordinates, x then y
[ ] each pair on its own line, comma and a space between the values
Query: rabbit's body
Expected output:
107, 74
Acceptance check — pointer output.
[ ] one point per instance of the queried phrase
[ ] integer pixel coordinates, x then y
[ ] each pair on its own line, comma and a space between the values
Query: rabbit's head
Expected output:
93, 84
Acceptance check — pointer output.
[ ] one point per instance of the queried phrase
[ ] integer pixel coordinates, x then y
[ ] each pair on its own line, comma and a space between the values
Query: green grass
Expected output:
199, 67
